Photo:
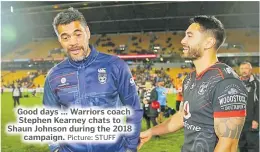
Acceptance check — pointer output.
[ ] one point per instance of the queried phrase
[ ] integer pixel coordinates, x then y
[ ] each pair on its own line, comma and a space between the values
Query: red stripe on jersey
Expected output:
219, 71
199, 76
222, 114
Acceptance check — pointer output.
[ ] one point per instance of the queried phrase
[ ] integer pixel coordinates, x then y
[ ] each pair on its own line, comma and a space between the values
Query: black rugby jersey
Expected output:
216, 92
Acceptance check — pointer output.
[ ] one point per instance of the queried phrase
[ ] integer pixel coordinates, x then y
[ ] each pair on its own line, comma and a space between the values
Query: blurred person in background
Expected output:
150, 110
179, 96
162, 94
249, 139
17, 94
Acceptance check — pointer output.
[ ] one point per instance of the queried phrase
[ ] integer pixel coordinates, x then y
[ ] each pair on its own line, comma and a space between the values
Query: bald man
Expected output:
249, 139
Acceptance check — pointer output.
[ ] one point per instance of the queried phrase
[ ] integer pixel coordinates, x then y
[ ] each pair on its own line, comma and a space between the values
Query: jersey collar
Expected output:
199, 75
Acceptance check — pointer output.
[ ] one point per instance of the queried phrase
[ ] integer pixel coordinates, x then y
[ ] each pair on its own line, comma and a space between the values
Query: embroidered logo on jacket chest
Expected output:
102, 75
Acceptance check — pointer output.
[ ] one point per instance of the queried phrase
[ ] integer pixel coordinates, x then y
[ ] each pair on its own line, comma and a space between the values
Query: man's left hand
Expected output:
254, 124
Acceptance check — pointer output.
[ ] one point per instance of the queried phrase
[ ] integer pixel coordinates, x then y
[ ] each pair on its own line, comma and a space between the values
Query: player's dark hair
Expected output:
213, 25
68, 16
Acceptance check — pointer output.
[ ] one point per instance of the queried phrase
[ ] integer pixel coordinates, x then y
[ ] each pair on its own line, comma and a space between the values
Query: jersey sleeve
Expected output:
229, 98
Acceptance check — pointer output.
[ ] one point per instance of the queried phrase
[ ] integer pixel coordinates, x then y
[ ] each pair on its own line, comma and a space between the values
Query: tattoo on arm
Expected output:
229, 127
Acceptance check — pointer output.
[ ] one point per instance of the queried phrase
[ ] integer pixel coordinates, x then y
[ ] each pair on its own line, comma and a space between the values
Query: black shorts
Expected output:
162, 109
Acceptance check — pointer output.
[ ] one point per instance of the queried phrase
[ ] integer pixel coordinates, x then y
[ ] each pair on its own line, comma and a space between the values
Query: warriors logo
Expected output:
203, 88
102, 75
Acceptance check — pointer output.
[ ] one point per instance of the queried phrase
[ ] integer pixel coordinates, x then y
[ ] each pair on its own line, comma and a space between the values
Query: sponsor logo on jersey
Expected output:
187, 115
191, 126
186, 109
102, 75
232, 98
229, 70
232, 91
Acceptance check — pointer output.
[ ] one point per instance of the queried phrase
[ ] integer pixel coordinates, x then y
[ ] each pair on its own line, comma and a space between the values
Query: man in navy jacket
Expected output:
89, 78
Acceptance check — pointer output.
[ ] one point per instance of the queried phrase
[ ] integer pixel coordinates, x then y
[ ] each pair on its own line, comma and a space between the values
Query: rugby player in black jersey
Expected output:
214, 106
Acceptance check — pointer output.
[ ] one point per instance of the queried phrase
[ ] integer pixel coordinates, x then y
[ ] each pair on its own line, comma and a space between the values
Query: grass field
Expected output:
10, 143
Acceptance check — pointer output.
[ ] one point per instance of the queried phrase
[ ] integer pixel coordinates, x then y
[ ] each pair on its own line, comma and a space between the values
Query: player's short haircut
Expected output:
248, 63
213, 26
68, 16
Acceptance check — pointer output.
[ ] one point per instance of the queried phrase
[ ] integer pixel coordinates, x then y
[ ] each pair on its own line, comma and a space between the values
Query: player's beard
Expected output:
192, 54
79, 57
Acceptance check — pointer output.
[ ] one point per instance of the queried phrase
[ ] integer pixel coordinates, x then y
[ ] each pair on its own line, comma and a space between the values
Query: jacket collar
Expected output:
250, 79
87, 61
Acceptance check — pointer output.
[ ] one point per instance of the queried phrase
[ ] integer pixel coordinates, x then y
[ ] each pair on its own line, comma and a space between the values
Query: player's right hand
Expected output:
144, 137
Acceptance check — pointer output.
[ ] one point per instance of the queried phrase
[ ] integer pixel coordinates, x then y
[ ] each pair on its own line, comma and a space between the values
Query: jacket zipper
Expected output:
81, 85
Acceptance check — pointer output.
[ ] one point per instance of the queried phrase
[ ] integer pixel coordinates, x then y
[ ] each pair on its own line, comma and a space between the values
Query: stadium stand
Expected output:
18, 76
238, 40
241, 40
39, 81
169, 43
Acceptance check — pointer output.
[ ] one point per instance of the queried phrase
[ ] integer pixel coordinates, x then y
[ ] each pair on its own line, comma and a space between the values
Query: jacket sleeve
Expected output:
50, 100
129, 97
256, 101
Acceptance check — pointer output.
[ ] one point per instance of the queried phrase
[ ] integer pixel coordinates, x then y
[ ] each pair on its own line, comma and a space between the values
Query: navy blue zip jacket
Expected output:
100, 80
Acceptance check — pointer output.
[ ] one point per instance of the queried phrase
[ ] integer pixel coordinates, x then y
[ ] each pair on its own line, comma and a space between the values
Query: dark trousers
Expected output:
16, 100
249, 141
178, 105
149, 120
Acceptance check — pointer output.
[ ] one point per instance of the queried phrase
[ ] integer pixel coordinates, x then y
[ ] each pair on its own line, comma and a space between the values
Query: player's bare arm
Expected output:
172, 124
228, 131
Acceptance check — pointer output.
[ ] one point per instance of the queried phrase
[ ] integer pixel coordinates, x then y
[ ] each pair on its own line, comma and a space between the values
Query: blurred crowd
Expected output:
24, 82
145, 74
